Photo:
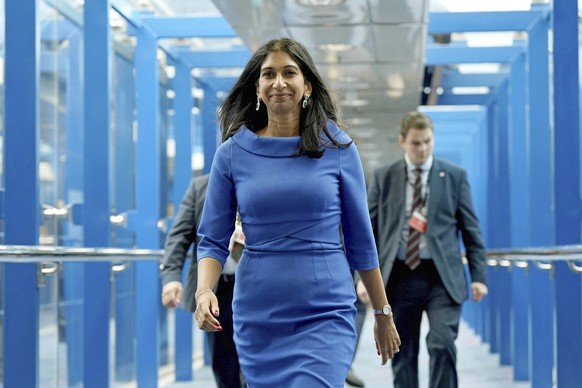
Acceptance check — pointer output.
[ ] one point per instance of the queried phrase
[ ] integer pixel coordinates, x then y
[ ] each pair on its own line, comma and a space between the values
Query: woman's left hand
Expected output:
386, 337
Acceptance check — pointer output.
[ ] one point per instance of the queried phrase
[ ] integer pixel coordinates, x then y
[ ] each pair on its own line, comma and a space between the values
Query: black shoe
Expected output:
354, 380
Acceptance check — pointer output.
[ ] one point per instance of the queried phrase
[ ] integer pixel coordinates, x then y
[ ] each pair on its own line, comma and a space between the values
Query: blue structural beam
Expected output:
499, 233
217, 83
96, 207
455, 79
20, 329
57, 29
448, 22
464, 99
519, 172
148, 207
184, 27
183, 101
215, 59
541, 205
446, 55
567, 189
211, 132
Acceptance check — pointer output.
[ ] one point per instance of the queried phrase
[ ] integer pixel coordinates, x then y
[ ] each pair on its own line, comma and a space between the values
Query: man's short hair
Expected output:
415, 120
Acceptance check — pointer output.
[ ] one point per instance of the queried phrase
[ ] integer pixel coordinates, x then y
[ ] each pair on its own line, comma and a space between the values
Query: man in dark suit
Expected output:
418, 206
181, 236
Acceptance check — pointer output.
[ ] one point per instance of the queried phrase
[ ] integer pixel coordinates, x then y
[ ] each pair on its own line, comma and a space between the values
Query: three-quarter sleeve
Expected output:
218, 216
356, 226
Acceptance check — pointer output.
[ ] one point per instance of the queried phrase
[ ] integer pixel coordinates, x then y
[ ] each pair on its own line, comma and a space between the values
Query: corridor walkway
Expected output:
477, 367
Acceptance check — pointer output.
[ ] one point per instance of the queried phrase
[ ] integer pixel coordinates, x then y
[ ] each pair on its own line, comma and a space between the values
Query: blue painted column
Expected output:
182, 85
211, 133
519, 154
567, 189
96, 208
505, 307
498, 201
210, 141
541, 206
21, 201
542, 295
148, 207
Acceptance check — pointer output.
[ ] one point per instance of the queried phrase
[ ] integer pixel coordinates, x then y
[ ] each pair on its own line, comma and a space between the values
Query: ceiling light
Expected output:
336, 47
320, 3
470, 90
355, 103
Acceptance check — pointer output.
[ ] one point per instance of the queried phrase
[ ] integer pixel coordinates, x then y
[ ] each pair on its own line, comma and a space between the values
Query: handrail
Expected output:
574, 252
542, 257
30, 253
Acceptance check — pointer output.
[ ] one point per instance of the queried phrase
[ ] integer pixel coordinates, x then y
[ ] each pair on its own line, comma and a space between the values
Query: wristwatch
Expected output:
385, 310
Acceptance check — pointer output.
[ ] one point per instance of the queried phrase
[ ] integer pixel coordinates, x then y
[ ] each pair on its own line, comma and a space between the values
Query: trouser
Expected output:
412, 292
225, 366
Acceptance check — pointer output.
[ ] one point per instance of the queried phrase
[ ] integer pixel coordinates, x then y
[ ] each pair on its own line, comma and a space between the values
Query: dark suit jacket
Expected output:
450, 211
181, 236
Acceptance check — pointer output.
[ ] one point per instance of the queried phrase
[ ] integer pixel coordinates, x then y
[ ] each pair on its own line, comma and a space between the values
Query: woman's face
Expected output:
282, 86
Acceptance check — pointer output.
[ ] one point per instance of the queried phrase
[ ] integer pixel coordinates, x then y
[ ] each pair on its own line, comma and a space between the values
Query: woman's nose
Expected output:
279, 81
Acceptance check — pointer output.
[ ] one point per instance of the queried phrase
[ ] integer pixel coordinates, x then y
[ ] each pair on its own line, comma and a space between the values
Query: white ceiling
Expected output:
370, 52
379, 75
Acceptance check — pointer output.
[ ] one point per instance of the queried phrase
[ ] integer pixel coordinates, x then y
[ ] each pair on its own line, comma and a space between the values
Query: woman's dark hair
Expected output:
239, 106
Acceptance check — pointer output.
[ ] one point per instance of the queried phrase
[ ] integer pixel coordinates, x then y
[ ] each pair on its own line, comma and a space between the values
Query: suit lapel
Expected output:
399, 178
436, 182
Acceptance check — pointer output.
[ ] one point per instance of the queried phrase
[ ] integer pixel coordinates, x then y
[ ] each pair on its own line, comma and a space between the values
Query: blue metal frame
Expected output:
96, 207
445, 55
540, 197
447, 22
519, 215
567, 189
182, 86
22, 207
148, 209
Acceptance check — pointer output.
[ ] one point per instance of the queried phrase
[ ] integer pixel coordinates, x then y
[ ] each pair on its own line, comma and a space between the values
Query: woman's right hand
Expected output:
206, 311
386, 337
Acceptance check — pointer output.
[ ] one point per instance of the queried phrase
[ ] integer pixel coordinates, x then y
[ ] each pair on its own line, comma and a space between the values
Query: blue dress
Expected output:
293, 306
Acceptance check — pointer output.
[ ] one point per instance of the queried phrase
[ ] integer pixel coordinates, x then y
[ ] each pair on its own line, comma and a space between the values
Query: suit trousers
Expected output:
225, 366
411, 293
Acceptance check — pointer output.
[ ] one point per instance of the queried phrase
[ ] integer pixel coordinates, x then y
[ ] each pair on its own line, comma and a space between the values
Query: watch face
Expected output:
386, 310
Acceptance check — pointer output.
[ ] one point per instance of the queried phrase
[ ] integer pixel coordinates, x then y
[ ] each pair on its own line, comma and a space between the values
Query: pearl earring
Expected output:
258, 106
305, 102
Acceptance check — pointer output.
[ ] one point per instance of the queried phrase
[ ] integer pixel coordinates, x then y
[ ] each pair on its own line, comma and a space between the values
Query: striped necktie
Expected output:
413, 249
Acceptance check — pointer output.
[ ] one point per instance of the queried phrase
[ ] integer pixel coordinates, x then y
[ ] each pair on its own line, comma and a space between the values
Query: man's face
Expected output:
418, 144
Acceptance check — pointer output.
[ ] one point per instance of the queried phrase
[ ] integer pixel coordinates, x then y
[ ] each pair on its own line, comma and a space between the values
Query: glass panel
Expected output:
123, 324
59, 60
71, 324
48, 326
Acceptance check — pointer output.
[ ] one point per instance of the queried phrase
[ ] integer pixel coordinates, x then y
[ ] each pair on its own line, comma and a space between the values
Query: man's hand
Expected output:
172, 294
478, 291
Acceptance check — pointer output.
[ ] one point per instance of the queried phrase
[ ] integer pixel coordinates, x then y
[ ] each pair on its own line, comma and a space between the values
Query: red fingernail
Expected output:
215, 312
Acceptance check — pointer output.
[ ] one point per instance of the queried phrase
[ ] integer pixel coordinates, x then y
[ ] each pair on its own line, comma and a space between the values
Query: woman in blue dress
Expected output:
297, 181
